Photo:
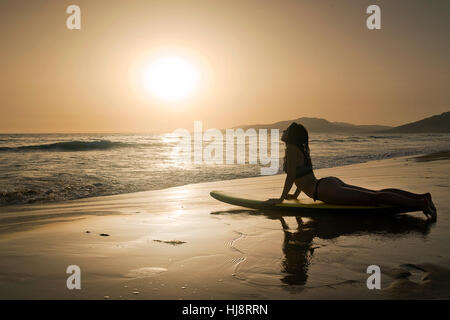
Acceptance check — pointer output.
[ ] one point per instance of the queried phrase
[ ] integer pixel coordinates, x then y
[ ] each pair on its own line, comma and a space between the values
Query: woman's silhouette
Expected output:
298, 166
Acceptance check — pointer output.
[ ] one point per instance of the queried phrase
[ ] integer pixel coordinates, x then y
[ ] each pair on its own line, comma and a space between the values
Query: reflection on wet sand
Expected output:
298, 245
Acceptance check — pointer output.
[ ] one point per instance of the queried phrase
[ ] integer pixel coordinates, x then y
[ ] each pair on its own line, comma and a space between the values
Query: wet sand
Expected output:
434, 156
180, 243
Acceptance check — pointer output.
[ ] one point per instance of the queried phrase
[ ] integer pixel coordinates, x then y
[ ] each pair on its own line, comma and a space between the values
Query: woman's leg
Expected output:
413, 195
356, 187
399, 192
352, 196
405, 193
335, 192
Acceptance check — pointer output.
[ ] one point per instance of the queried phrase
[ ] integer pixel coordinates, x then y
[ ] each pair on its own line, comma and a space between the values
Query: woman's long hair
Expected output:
298, 135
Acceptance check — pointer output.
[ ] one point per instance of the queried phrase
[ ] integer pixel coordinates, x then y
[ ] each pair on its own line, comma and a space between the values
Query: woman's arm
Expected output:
290, 176
295, 194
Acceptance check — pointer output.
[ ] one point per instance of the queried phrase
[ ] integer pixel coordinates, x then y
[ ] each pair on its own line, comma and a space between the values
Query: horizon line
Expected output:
256, 124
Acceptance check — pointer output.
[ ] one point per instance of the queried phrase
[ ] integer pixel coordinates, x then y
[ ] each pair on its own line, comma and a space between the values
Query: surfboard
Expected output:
305, 206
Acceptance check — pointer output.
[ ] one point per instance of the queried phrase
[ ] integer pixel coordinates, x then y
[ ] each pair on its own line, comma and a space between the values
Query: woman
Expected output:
332, 190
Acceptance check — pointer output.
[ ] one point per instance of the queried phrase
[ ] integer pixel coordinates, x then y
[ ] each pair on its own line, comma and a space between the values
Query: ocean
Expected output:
57, 167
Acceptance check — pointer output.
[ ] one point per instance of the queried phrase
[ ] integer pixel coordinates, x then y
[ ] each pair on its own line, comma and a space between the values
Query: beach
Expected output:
180, 243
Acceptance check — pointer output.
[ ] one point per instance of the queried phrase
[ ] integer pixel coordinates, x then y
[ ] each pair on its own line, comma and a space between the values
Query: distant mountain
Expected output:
364, 127
435, 124
320, 125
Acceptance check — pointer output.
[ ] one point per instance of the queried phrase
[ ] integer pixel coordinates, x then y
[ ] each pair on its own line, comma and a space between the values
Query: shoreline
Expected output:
441, 155
80, 202
179, 243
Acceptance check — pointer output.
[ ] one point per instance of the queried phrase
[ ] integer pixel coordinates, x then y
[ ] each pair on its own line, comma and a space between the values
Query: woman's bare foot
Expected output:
429, 212
428, 196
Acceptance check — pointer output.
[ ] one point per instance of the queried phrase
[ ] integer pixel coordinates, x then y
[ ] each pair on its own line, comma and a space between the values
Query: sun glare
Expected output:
171, 78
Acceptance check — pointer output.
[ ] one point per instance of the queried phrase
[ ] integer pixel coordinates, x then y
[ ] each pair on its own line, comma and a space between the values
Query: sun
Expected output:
171, 78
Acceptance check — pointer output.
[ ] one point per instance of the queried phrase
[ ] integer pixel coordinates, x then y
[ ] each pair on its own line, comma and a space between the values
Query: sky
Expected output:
255, 62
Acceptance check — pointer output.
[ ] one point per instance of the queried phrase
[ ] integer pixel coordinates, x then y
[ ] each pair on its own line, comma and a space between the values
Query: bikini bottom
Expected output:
316, 195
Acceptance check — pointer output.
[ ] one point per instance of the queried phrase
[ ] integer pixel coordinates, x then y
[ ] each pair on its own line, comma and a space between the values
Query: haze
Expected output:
257, 61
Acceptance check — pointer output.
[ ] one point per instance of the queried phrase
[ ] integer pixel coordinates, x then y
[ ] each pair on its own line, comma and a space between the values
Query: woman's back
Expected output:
304, 164
304, 175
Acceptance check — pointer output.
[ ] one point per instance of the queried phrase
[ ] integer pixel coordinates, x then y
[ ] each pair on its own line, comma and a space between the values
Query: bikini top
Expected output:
301, 171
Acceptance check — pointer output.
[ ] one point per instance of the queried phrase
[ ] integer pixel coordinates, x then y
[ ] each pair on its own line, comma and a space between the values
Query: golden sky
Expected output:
257, 61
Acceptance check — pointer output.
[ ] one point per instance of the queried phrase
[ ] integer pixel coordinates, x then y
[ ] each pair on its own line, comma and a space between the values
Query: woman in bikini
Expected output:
332, 190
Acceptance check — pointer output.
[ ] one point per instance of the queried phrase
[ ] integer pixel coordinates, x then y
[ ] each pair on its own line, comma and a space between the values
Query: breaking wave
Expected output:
69, 146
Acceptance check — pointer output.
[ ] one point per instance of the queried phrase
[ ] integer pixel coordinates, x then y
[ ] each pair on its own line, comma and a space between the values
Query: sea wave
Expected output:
334, 140
384, 137
68, 146
57, 192
48, 168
